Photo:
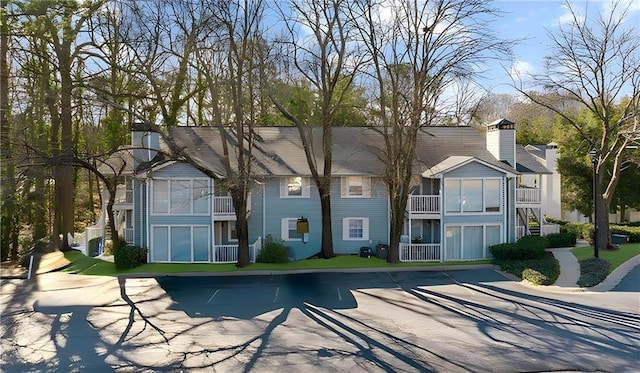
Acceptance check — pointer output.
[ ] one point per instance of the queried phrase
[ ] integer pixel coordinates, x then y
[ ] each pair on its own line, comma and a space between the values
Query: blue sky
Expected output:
530, 20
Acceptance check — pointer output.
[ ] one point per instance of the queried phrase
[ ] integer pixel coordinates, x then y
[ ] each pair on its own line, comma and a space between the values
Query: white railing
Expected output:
420, 252
424, 204
520, 231
229, 253
546, 229
528, 195
223, 205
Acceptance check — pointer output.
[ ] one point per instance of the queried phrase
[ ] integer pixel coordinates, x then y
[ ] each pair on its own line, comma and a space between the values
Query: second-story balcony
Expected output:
528, 196
223, 207
423, 205
124, 198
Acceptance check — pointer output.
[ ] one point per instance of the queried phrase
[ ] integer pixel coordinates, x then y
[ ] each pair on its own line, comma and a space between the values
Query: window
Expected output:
289, 228
470, 242
472, 195
184, 196
492, 195
452, 195
294, 187
356, 187
232, 234
180, 243
355, 229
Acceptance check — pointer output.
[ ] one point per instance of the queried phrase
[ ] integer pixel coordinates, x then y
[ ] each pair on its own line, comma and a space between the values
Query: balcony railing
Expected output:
424, 204
223, 205
528, 195
123, 195
420, 252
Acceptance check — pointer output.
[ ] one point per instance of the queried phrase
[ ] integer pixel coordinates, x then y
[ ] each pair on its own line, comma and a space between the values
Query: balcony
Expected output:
528, 196
424, 205
124, 198
223, 208
229, 253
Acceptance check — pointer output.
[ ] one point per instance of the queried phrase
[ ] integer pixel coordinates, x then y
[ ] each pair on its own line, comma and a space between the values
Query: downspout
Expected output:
146, 222
507, 209
264, 210
442, 220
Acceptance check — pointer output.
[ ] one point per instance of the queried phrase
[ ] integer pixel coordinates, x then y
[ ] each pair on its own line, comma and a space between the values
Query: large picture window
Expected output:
180, 243
181, 196
470, 242
472, 195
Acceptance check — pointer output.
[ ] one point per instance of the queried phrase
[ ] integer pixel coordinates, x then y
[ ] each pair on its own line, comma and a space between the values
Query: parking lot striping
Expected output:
214, 294
458, 283
339, 296
275, 299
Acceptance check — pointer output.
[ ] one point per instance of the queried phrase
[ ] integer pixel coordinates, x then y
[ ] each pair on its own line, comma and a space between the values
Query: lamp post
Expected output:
594, 160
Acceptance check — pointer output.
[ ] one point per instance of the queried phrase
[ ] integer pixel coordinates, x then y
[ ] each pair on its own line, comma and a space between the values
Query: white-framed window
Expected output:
289, 229
180, 196
355, 229
294, 187
232, 234
469, 242
180, 243
356, 187
473, 195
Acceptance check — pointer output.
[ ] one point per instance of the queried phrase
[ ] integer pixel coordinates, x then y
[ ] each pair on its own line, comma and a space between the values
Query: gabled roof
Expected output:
119, 162
356, 150
457, 161
530, 159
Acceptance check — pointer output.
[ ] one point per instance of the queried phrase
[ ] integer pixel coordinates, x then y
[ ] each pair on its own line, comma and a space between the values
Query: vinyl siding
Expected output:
474, 170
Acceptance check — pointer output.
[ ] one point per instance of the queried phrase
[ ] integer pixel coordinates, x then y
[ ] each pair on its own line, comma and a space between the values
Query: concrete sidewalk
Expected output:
570, 272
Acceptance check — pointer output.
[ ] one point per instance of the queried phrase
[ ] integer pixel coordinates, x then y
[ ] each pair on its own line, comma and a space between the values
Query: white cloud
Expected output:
521, 69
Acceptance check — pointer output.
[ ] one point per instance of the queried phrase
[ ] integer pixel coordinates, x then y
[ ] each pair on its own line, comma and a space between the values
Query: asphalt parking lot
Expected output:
454, 321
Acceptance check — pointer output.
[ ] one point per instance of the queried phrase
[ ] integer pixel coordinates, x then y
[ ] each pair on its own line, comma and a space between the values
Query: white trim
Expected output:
169, 181
232, 223
365, 229
284, 229
191, 226
462, 226
438, 174
445, 211
366, 187
284, 186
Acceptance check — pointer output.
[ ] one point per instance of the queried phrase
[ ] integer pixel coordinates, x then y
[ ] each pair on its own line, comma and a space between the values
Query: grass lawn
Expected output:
615, 257
84, 265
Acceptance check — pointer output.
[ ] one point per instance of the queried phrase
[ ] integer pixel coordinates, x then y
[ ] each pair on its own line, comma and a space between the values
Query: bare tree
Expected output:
232, 66
418, 50
595, 61
326, 60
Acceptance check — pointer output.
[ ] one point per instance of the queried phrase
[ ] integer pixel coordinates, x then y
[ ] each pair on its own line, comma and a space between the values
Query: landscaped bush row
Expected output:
585, 230
542, 271
627, 230
527, 259
130, 257
528, 247
593, 271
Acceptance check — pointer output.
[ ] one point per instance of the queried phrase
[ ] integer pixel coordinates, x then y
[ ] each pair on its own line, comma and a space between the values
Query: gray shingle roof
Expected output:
356, 150
530, 161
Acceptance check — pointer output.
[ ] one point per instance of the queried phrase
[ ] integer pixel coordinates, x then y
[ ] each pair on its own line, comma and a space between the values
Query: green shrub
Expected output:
593, 271
273, 251
129, 257
582, 231
542, 271
567, 239
531, 247
504, 251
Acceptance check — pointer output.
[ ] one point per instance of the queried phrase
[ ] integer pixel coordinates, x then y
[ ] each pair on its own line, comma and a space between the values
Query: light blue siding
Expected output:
474, 169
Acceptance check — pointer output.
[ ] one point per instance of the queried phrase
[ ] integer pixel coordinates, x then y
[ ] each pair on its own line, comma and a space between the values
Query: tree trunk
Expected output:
242, 227
115, 237
326, 249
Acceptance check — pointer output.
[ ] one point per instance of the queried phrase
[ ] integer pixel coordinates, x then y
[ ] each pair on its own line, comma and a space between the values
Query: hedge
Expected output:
272, 252
567, 239
542, 271
527, 247
129, 257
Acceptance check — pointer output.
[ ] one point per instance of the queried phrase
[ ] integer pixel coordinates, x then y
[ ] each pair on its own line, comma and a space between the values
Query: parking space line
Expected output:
214, 294
339, 295
275, 299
